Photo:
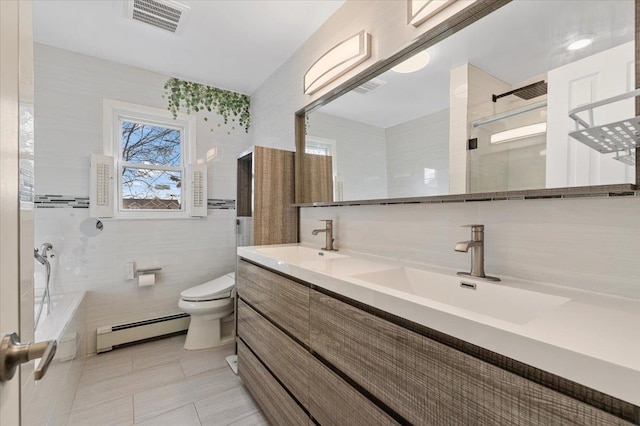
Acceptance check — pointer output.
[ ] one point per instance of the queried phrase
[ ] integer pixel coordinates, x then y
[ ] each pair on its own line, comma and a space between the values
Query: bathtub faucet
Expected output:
41, 257
44, 248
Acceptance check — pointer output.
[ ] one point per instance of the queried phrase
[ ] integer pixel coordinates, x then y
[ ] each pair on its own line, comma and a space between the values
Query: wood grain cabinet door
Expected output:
333, 402
428, 383
285, 358
273, 399
284, 301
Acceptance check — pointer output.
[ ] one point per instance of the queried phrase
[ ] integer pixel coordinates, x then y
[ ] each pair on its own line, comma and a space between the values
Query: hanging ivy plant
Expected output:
196, 97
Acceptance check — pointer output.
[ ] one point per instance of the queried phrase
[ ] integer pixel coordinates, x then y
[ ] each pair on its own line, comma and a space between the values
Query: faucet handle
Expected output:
326, 220
474, 228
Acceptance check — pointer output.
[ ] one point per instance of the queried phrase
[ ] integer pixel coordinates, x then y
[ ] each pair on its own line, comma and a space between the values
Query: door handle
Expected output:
14, 353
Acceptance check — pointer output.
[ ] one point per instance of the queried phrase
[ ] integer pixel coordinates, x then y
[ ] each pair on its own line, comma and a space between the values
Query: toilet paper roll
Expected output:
146, 280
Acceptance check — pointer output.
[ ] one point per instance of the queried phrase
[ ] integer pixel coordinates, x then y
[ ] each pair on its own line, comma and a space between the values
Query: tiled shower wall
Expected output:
68, 127
585, 243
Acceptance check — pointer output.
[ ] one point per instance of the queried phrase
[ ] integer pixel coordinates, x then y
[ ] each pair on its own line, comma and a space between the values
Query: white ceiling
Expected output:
235, 45
522, 40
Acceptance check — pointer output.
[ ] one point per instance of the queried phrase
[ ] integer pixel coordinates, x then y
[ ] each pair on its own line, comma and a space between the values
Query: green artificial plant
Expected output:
199, 97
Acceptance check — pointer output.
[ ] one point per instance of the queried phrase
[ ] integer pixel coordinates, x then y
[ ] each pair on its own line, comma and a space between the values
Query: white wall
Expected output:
69, 92
355, 143
587, 243
564, 242
414, 147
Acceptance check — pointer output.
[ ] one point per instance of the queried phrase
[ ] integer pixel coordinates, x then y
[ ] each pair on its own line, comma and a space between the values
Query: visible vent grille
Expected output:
369, 86
165, 14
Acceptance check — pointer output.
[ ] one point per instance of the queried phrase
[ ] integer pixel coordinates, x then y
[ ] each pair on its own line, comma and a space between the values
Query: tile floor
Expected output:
160, 383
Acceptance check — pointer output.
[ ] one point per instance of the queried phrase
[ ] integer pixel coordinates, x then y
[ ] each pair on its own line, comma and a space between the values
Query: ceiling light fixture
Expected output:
580, 42
413, 64
519, 133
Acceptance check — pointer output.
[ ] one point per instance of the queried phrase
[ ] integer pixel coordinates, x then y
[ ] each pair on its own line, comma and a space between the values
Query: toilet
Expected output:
208, 304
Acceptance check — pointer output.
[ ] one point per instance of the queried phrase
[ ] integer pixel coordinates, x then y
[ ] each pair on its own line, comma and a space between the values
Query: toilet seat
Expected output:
220, 288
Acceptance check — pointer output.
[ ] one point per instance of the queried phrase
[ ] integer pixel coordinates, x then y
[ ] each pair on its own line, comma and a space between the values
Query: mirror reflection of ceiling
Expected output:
535, 32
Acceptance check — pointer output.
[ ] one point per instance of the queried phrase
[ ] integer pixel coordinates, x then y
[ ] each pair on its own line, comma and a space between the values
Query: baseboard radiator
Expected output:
111, 336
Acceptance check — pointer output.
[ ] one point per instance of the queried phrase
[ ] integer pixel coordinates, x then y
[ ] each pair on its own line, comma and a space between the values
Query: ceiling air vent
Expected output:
165, 14
369, 86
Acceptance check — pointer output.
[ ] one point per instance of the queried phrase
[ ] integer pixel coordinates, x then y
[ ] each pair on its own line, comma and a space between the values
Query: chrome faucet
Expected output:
42, 258
328, 230
44, 248
476, 244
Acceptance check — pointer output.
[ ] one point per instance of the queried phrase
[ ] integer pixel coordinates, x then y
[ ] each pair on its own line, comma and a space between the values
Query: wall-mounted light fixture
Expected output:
337, 61
418, 11
519, 133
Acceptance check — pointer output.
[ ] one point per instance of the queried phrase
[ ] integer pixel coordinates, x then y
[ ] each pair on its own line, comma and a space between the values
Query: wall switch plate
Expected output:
129, 270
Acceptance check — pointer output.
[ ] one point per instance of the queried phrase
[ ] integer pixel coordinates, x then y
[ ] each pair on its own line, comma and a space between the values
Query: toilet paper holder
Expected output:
147, 271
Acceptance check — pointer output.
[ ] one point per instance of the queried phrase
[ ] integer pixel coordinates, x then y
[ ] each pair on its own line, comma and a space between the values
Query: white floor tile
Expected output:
116, 412
152, 402
196, 362
160, 383
226, 407
256, 419
183, 416
106, 390
114, 368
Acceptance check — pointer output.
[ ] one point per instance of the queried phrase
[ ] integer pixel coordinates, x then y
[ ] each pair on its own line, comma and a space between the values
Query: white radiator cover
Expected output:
114, 335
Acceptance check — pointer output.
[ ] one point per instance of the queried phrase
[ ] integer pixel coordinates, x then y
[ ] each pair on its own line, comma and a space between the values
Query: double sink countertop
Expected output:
590, 338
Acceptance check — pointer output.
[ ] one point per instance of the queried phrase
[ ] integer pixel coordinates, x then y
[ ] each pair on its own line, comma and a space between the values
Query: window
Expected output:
326, 147
146, 170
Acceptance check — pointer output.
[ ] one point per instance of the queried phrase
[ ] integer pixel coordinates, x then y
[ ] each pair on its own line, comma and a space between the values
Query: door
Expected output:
16, 189
9, 210
594, 78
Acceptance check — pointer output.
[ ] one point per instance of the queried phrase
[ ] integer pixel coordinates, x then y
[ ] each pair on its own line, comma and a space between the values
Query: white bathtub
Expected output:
63, 308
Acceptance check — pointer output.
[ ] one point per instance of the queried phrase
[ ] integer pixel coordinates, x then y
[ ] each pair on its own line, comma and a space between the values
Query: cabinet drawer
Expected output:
275, 402
284, 301
334, 402
286, 359
429, 383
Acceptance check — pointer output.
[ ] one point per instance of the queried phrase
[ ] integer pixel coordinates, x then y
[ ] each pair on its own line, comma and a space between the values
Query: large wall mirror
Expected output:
486, 109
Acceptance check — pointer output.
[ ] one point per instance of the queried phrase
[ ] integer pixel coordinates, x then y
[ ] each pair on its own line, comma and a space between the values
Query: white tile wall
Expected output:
361, 157
586, 243
591, 244
69, 92
412, 148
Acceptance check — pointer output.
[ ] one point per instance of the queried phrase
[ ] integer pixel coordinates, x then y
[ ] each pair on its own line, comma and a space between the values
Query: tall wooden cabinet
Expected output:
266, 192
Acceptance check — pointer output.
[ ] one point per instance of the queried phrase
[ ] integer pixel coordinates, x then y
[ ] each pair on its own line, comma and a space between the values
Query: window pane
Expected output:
149, 144
151, 189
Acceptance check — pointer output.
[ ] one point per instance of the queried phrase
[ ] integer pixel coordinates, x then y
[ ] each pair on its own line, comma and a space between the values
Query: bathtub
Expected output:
50, 400
63, 310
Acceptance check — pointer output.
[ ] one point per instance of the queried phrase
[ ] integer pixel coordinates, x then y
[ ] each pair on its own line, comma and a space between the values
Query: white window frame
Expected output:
114, 112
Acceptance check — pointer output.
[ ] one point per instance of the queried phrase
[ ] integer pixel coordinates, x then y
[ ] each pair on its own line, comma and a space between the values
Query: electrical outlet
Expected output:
129, 270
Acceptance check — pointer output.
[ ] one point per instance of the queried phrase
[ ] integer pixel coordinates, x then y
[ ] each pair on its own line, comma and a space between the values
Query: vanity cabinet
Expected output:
280, 299
286, 359
351, 366
270, 395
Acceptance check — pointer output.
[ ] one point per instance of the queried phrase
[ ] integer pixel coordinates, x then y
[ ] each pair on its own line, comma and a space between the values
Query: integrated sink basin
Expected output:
298, 255
494, 300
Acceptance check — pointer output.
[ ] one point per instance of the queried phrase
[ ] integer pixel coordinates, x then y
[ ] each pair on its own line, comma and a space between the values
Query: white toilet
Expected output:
208, 304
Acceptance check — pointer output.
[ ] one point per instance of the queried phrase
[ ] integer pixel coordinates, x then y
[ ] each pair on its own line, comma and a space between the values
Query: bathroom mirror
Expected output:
484, 110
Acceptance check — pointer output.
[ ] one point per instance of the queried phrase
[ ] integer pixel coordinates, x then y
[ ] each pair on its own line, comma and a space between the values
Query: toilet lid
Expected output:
215, 289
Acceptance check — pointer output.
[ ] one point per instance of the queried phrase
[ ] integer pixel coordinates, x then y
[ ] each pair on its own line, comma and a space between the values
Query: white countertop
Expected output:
592, 339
